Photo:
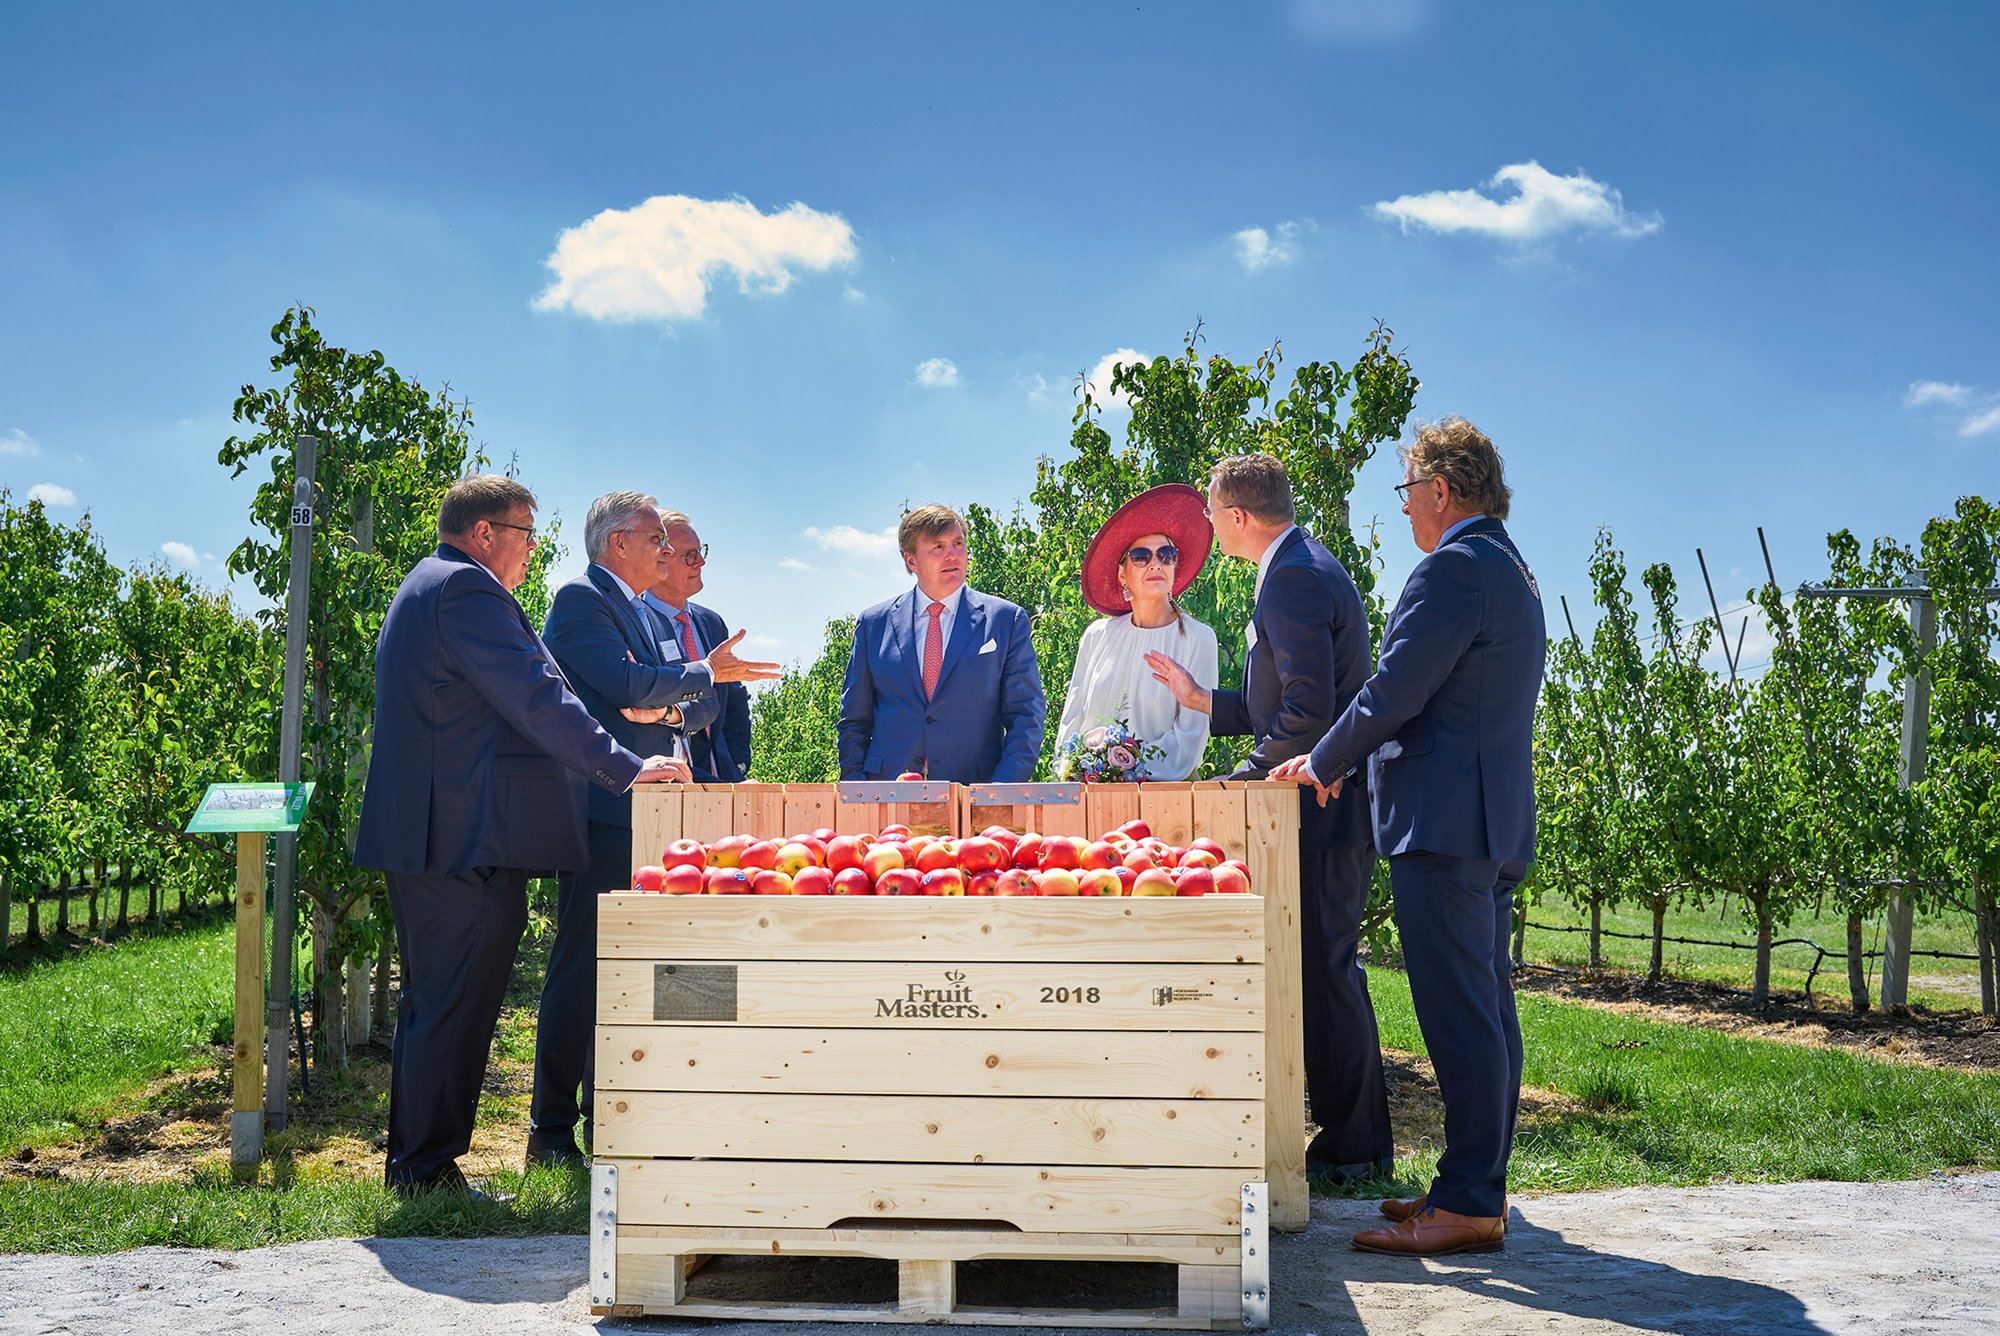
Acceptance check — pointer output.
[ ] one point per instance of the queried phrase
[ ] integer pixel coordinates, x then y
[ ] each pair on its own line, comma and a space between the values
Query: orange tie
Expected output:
933, 651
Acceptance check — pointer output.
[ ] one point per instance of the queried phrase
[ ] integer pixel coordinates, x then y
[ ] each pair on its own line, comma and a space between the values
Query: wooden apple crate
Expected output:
930, 1081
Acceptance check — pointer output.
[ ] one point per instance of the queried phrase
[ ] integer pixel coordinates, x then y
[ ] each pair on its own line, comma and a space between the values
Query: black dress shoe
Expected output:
1327, 1172
555, 1148
447, 1179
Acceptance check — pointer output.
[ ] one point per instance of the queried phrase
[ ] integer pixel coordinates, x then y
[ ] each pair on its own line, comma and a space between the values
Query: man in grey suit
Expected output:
1445, 726
477, 780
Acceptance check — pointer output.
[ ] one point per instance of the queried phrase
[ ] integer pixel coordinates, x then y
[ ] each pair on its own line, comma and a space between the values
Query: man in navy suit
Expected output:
719, 753
610, 645
1308, 640
477, 779
1445, 726
942, 680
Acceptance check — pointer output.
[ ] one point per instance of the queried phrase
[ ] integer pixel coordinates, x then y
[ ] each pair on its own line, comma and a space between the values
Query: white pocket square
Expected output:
989, 647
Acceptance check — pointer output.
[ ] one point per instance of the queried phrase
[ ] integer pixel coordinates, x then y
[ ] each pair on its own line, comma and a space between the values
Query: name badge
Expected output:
670, 651
1250, 635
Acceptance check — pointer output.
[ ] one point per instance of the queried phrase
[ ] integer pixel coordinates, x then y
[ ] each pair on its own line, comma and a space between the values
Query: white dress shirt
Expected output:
1112, 680
952, 602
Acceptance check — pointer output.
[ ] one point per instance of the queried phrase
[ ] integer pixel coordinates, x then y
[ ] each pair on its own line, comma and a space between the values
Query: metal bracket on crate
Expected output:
1256, 1256
604, 1234
1026, 795
895, 791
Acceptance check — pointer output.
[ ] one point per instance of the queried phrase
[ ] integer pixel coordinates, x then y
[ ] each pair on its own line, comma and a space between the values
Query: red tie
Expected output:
688, 647
933, 651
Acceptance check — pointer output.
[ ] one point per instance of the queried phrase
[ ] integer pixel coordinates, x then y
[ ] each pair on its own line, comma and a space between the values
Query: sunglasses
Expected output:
1143, 556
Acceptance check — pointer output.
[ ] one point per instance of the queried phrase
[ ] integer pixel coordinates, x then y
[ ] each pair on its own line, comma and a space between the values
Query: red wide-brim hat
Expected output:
1176, 510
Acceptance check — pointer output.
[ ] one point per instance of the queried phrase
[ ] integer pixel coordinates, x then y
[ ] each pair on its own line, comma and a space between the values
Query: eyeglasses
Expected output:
1208, 512
657, 539
695, 556
527, 529
1143, 556
1403, 488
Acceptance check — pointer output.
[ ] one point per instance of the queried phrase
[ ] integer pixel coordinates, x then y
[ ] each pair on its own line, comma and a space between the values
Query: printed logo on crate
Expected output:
948, 999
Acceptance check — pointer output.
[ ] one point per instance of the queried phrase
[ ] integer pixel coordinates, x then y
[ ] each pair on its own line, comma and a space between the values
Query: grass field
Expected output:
1942, 985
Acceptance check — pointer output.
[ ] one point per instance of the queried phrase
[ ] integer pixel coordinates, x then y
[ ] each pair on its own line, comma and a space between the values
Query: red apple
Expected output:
769, 882
853, 881
1016, 881
1199, 858
909, 775
881, 859
1061, 851
650, 878
980, 854
944, 881
812, 881
1232, 878
794, 856
684, 853
1140, 859
812, 842
1204, 843
1154, 881
1136, 828
728, 881
762, 855
1195, 881
1099, 881
682, 879
1099, 854
843, 852
1119, 840
895, 830
937, 856
825, 834
728, 851
1028, 851
1058, 881
1126, 877
982, 882
900, 881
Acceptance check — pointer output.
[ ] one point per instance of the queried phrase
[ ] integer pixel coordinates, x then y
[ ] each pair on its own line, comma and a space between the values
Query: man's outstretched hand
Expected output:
726, 666
1299, 770
1180, 681
664, 770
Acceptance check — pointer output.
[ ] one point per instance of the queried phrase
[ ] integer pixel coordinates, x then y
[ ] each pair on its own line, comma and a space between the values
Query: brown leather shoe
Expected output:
1399, 1211
1435, 1233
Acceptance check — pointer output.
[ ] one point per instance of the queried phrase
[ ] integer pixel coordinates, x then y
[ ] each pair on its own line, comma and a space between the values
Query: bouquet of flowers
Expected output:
1111, 753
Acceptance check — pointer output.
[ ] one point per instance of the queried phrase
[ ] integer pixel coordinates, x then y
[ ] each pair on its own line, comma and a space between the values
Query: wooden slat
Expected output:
967, 995
1218, 814
760, 811
1223, 929
247, 1060
959, 1244
933, 1129
1169, 810
809, 807
1146, 1064
817, 1196
721, 1310
1106, 807
923, 818
709, 812
656, 820
1271, 821
858, 818
649, 1276
1062, 819
926, 1286
1211, 1291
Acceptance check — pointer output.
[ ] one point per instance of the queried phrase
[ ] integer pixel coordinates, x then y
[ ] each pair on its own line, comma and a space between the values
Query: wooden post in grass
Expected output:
246, 1118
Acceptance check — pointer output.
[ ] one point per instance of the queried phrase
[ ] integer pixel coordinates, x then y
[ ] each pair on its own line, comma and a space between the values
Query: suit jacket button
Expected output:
929, 720
604, 776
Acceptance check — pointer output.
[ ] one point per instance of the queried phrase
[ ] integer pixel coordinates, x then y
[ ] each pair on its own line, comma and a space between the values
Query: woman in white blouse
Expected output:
1145, 556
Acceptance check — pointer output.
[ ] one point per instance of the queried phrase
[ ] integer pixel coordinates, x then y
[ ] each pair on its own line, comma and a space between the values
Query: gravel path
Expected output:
1878, 1258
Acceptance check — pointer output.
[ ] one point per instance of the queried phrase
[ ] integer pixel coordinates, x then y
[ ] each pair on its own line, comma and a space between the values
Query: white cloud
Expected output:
18, 442
853, 542
1976, 408
654, 262
1543, 204
1981, 423
1923, 392
181, 554
937, 372
1036, 387
794, 564
850, 293
1360, 20
1099, 377
49, 494
1257, 249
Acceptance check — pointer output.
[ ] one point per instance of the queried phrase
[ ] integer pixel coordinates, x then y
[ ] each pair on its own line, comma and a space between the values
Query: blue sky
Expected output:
1695, 267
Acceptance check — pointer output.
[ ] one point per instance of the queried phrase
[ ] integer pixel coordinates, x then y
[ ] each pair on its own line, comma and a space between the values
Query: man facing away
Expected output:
1445, 726
477, 779
942, 680
613, 649
719, 753
1308, 639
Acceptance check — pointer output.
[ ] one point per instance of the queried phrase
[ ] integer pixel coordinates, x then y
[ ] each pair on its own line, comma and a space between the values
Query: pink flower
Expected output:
1095, 737
1122, 758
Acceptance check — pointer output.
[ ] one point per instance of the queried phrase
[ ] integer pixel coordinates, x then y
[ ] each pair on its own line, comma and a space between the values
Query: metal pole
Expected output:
278, 1002
1916, 753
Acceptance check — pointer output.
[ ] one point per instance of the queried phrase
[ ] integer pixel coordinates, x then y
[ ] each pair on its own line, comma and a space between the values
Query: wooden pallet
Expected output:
1221, 1282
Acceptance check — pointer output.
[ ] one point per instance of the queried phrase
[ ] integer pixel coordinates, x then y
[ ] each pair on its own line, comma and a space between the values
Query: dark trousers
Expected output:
1343, 1051
1454, 916
457, 937
565, 1028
